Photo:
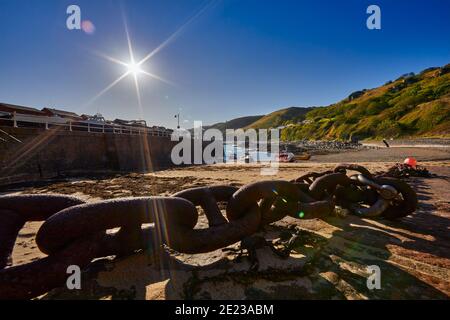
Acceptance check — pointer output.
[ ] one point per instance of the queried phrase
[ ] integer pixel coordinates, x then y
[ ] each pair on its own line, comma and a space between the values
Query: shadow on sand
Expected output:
412, 253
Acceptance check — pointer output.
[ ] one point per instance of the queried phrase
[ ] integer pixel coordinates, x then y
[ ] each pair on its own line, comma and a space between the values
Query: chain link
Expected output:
75, 232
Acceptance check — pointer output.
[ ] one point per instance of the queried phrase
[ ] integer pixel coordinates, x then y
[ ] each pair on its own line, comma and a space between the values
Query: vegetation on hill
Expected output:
235, 123
280, 118
411, 106
275, 119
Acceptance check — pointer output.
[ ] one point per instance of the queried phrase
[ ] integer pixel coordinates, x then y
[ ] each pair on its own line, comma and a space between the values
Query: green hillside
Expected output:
275, 119
411, 106
280, 118
235, 123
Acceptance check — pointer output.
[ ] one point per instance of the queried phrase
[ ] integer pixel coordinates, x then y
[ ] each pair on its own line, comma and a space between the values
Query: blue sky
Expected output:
235, 58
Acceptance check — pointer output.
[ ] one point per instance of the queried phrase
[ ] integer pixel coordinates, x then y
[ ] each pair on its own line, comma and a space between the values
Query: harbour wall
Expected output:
31, 154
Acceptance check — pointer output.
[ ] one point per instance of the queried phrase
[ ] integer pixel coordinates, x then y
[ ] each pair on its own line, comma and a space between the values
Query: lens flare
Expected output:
88, 27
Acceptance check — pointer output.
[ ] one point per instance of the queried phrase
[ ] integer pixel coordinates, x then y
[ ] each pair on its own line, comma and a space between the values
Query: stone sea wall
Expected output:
43, 154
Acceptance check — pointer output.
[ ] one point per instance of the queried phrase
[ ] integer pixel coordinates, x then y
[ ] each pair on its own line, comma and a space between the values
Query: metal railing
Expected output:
48, 123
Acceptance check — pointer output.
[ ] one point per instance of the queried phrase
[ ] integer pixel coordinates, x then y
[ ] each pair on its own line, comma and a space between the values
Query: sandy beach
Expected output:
330, 262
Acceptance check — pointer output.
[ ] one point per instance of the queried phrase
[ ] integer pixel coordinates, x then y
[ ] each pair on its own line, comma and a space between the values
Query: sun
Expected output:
134, 68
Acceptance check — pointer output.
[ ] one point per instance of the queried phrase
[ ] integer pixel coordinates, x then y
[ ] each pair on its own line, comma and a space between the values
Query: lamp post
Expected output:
178, 117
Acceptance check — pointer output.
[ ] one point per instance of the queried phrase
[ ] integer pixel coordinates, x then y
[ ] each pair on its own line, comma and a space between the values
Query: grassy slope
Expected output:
280, 117
407, 107
411, 106
272, 120
236, 123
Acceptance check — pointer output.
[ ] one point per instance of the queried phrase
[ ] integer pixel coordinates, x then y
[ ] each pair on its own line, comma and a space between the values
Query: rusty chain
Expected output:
75, 232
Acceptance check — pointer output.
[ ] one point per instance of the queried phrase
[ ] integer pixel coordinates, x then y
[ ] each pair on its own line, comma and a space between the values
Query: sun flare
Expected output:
134, 68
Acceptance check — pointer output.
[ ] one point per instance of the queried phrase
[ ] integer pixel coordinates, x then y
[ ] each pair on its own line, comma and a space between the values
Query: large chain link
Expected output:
75, 232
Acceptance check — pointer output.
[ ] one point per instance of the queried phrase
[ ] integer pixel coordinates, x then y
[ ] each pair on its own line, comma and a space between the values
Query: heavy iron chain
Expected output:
75, 233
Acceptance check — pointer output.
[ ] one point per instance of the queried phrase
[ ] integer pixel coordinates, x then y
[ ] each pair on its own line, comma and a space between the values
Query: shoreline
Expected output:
406, 143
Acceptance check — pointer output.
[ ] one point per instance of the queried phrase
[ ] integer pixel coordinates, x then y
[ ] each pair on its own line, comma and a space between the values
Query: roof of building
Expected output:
17, 108
138, 122
61, 113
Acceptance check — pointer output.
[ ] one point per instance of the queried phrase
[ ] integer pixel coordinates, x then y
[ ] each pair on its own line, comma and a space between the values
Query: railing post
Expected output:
46, 125
103, 129
14, 119
70, 125
89, 127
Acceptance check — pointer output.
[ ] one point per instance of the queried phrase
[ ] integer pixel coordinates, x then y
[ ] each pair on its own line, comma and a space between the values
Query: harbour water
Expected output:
234, 153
